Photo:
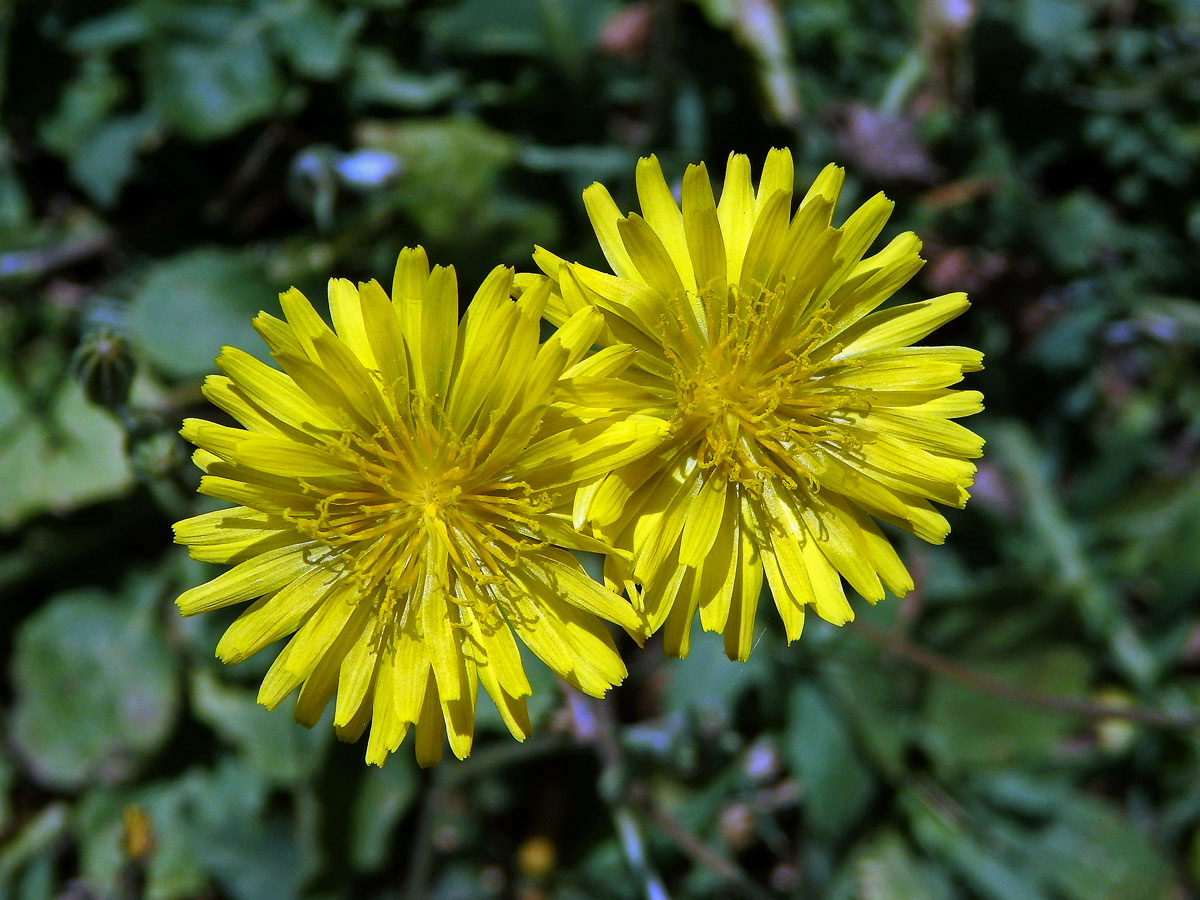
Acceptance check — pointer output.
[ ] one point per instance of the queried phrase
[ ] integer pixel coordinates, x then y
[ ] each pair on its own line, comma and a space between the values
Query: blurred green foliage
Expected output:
167, 166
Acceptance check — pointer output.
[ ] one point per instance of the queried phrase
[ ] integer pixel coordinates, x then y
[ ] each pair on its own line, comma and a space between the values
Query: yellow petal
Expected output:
388, 726
442, 645
663, 216
565, 576
650, 256
575, 644
863, 226
428, 315
222, 393
431, 728
908, 368
515, 381
513, 710
947, 403
739, 629
357, 672
501, 659
345, 309
252, 578
302, 653
898, 507
233, 535
881, 554
267, 453
359, 389
410, 669
807, 258
703, 519
486, 330
591, 449
321, 684
717, 574
790, 591
736, 213
778, 175
603, 214
677, 627
276, 615
931, 433
306, 324
661, 520
609, 361
278, 334
386, 340
275, 392
871, 281
702, 227
767, 241
827, 185
833, 529
899, 326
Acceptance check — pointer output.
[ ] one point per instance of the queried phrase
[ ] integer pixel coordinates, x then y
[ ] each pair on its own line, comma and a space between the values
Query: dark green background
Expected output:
166, 168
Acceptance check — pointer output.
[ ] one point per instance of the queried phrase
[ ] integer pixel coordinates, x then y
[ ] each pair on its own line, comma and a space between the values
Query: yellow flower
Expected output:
399, 508
795, 412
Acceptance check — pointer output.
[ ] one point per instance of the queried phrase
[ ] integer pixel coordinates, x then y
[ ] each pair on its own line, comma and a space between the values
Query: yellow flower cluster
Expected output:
727, 405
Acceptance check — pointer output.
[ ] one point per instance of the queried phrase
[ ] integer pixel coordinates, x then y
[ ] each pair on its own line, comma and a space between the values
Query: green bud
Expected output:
104, 365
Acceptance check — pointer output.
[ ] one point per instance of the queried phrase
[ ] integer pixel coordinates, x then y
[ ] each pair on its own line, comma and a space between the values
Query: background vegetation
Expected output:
168, 166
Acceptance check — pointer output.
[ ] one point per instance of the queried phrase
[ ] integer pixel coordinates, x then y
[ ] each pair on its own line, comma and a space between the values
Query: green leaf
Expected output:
83, 108
207, 825
109, 32
70, 456
1080, 228
867, 694
383, 797
964, 729
96, 690
708, 684
6, 780
480, 26
944, 829
209, 89
269, 741
1057, 26
835, 784
886, 869
105, 162
16, 214
1093, 852
377, 78
191, 305
315, 40
450, 168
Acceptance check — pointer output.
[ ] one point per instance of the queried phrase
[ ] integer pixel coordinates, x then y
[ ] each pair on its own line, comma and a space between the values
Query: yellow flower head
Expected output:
796, 412
399, 494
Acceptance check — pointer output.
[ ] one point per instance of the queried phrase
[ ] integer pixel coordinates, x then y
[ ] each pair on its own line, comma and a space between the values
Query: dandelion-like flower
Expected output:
400, 495
796, 411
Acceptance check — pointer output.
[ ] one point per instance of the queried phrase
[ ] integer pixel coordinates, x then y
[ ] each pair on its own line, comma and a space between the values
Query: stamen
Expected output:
751, 400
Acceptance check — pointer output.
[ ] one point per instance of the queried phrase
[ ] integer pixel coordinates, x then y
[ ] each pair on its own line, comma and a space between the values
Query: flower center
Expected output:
418, 488
746, 389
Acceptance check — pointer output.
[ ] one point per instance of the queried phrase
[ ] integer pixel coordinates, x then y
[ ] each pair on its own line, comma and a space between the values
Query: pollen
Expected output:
747, 394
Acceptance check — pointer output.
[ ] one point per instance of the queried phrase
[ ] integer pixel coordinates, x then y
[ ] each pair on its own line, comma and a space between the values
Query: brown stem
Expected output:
935, 662
701, 853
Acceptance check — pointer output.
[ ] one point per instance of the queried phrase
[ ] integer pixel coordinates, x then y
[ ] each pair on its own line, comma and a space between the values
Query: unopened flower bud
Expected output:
104, 365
